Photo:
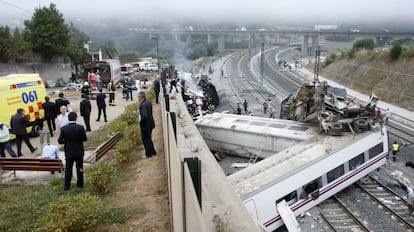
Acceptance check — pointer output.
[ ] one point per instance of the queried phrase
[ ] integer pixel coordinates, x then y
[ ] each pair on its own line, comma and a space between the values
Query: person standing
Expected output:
238, 109
157, 88
387, 115
123, 83
395, 150
98, 80
100, 102
72, 137
265, 107
130, 87
146, 123
272, 113
246, 106
111, 89
173, 83
85, 111
18, 124
50, 115
5, 141
61, 101
62, 118
86, 89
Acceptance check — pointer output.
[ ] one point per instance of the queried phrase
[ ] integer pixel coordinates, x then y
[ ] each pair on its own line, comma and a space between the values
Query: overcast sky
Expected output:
216, 11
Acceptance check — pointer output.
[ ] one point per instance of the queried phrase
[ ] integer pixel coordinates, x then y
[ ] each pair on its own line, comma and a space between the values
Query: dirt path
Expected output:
148, 188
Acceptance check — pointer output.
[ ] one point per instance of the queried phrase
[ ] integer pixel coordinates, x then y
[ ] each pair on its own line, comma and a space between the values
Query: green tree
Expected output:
47, 32
21, 49
75, 50
5, 44
128, 57
396, 51
364, 43
109, 49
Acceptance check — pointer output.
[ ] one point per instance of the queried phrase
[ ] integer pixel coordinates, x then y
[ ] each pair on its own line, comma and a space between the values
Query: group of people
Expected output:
18, 124
128, 87
72, 135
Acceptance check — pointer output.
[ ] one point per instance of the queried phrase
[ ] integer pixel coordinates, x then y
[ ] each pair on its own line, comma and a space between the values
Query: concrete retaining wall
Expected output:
46, 71
222, 209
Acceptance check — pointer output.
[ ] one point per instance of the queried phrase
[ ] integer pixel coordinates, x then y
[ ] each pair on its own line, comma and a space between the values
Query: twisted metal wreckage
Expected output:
331, 108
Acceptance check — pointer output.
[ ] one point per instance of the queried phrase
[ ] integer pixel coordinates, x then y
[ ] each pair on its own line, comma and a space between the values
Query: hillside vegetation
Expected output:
374, 71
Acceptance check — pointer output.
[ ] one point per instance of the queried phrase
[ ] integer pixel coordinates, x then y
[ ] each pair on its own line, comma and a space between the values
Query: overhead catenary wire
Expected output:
12, 6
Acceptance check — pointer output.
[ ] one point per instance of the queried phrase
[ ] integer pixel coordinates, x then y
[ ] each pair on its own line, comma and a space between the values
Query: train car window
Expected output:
257, 123
274, 125
290, 198
356, 161
311, 187
241, 121
376, 150
298, 128
335, 173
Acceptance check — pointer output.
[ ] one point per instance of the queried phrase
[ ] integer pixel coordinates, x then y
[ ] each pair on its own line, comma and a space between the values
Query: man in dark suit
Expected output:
100, 102
85, 111
50, 115
18, 124
146, 123
61, 101
157, 89
72, 136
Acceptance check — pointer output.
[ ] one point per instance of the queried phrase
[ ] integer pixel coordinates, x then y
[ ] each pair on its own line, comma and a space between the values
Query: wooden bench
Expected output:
30, 164
100, 151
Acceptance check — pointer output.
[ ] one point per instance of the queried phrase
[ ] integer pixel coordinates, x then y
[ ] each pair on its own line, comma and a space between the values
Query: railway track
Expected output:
388, 200
339, 217
403, 135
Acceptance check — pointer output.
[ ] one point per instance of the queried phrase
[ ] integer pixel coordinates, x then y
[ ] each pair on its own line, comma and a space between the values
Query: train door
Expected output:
311, 189
251, 207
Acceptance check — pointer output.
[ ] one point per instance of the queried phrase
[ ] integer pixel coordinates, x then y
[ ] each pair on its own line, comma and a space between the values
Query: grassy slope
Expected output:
371, 72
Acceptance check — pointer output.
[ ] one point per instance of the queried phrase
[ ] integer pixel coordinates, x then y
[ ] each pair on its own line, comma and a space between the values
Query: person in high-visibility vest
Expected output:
395, 150
211, 108
5, 141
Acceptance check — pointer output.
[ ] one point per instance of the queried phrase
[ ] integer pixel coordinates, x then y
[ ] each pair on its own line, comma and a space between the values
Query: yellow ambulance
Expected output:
26, 91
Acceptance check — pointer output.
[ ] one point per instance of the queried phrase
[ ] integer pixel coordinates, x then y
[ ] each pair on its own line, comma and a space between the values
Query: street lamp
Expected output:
158, 55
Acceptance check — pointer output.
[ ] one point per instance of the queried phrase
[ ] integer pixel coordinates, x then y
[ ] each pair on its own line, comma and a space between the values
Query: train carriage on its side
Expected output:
308, 173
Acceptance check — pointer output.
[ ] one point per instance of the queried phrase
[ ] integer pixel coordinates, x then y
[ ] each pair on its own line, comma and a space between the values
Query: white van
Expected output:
152, 68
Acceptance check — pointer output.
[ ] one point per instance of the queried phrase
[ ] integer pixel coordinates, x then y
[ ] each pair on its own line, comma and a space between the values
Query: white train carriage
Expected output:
308, 173
244, 135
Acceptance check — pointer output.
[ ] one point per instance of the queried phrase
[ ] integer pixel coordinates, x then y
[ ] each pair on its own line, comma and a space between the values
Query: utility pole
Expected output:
261, 62
158, 54
316, 67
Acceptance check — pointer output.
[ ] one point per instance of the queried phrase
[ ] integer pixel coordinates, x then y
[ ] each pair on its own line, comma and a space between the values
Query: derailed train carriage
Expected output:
302, 176
299, 177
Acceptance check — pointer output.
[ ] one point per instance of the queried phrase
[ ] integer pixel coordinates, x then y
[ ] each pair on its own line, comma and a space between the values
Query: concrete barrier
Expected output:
46, 71
220, 209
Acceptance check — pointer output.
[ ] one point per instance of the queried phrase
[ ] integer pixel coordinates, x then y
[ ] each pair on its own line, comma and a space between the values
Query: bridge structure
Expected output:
260, 36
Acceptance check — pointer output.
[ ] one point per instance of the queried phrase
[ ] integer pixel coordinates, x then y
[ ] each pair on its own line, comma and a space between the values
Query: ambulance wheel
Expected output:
35, 130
